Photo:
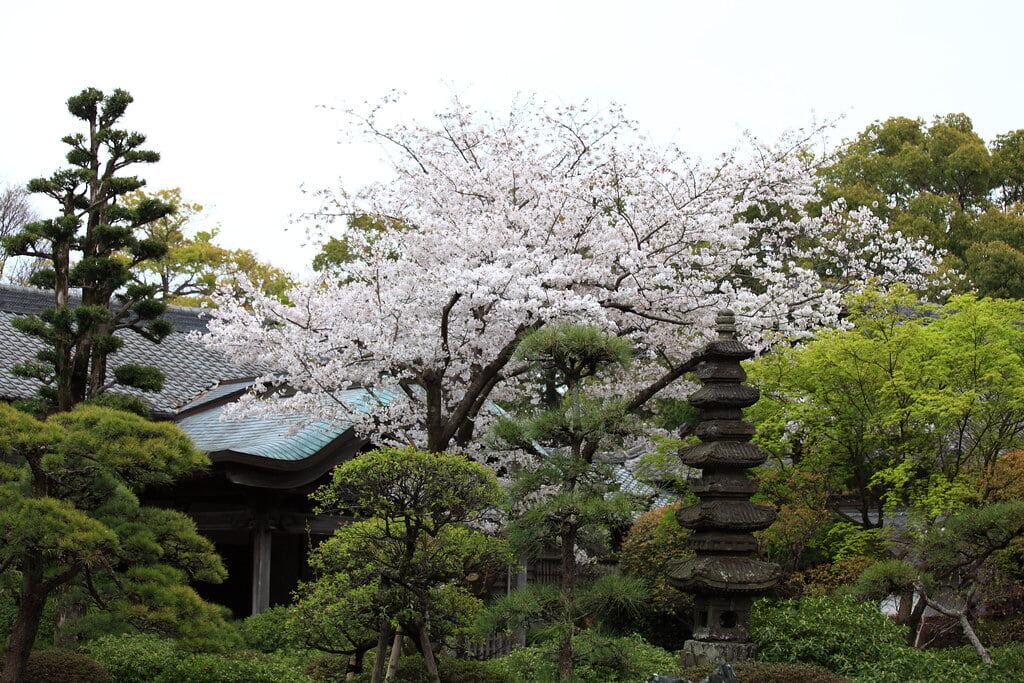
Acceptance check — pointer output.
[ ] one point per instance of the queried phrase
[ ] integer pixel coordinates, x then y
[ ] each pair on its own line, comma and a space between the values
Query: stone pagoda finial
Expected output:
725, 323
722, 575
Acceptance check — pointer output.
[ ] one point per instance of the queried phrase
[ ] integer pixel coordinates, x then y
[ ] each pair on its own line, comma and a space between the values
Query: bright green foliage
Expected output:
941, 183
72, 521
268, 631
194, 266
837, 634
565, 498
410, 562
599, 658
144, 658
94, 244
910, 406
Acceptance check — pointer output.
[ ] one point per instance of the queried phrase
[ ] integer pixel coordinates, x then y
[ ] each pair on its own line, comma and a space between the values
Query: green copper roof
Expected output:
271, 437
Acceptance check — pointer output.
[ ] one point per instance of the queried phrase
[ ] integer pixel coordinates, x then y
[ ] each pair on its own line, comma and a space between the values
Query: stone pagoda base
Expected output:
709, 653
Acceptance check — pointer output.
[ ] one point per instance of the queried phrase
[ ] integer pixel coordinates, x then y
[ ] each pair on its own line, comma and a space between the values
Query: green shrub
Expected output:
470, 671
236, 668
143, 658
328, 669
838, 634
1009, 660
598, 658
412, 669
134, 658
63, 666
910, 664
269, 631
771, 672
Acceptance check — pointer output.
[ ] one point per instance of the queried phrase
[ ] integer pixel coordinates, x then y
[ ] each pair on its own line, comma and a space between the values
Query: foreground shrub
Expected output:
597, 658
142, 658
238, 668
63, 666
134, 658
910, 664
412, 669
269, 631
838, 634
771, 672
328, 669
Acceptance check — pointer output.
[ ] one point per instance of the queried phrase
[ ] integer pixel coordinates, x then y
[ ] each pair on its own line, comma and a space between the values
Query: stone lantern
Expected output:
722, 575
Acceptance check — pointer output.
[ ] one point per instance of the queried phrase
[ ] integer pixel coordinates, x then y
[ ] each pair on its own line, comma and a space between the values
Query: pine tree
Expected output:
72, 522
92, 245
567, 498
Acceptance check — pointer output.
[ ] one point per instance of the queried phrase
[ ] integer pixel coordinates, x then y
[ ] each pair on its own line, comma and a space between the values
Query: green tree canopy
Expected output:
72, 520
942, 183
909, 406
411, 560
194, 265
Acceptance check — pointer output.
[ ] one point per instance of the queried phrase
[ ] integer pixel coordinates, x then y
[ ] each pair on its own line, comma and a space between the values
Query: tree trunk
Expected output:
965, 625
568, 585
982, 651
906, 607
915, 621
382, 652
26, 624
428, 652
396, 653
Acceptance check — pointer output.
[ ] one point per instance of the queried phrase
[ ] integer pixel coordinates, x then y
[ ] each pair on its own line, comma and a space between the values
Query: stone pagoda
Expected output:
722, 576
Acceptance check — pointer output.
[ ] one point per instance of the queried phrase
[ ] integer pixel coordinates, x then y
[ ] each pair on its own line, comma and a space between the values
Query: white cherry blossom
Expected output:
503, 224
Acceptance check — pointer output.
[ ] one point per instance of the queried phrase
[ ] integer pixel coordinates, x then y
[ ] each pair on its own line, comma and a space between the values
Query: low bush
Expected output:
236, 668
142, 658
134, 658
63, 666
328, 669
598, 658
910, 664
837, 634
771, 672
412, 669
269, 631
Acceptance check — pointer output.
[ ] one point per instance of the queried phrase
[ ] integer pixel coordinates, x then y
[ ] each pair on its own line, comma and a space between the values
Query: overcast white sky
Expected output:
231, 93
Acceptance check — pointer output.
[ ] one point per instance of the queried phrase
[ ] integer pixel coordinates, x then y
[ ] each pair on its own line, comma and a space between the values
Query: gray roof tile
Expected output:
189, 368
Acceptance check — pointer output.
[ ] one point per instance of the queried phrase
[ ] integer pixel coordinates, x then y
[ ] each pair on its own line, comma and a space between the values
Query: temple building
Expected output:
253, 502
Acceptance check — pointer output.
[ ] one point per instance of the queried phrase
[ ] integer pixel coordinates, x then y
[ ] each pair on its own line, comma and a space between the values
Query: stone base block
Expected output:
704, 653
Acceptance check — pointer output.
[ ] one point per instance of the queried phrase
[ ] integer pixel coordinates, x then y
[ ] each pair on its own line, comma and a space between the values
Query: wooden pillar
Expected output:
260, 564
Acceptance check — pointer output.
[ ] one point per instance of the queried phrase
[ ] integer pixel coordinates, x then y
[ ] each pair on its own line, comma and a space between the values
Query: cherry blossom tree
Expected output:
495, 225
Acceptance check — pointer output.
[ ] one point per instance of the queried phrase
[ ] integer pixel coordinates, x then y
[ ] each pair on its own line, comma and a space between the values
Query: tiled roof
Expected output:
189, 368
24, 300
271, 437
